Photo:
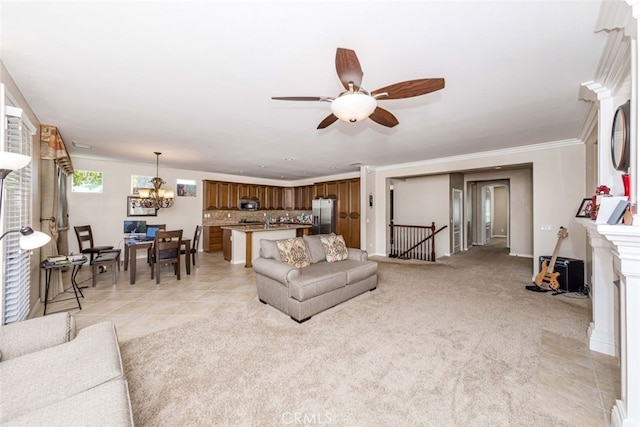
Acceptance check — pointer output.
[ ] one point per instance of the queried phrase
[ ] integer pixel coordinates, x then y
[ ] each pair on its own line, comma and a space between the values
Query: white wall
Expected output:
500, 209
422, 200
558, 188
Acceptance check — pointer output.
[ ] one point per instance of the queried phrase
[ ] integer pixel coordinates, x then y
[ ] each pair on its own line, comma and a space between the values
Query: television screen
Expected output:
135, 227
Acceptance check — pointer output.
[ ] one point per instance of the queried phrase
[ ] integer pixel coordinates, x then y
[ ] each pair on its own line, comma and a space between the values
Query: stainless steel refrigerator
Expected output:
324, 216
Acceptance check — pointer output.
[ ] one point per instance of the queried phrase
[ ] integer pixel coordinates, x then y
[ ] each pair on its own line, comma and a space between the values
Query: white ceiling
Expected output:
193, 80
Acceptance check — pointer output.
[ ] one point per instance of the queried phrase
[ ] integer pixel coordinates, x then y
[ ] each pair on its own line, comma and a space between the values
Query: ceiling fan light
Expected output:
353, 107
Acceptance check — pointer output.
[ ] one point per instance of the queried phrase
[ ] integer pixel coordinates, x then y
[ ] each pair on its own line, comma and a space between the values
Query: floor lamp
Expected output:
29, 239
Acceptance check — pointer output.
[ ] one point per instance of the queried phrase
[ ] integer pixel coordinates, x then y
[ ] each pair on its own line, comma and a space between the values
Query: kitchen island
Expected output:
241, 243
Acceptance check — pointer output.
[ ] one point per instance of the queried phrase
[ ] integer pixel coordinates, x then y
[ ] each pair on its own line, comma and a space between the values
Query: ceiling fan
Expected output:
355, 103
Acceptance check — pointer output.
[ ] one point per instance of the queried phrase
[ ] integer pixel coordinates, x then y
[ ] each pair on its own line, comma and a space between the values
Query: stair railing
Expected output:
413, 241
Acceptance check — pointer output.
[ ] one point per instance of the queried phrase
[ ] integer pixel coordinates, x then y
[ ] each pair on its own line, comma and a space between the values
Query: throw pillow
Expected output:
335, 248
314, 244
294, 252
269, 249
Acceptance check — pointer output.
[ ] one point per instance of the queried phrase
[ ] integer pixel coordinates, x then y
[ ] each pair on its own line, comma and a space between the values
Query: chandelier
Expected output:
157, 197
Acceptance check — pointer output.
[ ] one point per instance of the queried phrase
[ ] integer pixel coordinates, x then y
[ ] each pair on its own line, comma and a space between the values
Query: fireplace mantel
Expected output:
617, 262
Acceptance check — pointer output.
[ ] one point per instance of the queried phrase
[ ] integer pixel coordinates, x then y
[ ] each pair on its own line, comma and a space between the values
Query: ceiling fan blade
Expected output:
327, 121
383, 117
410, 88
348, 68
301, 98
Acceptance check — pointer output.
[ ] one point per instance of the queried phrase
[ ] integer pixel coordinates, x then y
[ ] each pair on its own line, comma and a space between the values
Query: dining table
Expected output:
132, 246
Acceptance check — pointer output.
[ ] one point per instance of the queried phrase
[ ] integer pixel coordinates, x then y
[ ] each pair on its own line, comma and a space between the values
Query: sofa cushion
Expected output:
316, 279
357, 270
61, 371
269, 249
294, 252
335, 248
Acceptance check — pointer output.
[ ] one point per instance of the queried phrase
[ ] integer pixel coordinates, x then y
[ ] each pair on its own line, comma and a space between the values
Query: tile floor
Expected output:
574, 383
147, 307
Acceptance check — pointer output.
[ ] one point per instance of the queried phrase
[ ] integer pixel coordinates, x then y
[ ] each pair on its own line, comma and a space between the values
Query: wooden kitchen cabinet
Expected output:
224, 195
278, 199
262, 196
331, 190
210, 195
320, 190
212, 239
348, 211
234, 195
226, 244
289, 198
244, 191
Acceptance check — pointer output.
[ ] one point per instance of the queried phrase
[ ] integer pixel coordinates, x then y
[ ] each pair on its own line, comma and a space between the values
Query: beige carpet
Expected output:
450, 344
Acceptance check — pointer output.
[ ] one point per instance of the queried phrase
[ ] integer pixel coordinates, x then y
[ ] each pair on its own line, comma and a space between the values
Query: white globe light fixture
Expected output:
353, 106
29, 239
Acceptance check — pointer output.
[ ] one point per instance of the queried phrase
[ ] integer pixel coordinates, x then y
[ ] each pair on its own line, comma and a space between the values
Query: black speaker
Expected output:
571, 271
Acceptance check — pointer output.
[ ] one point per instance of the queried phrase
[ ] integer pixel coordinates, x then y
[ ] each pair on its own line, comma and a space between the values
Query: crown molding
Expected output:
484, 154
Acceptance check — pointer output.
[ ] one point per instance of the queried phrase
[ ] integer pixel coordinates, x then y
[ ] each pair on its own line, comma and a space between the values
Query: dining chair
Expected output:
159, 227
166, 250
85, 242
193, 251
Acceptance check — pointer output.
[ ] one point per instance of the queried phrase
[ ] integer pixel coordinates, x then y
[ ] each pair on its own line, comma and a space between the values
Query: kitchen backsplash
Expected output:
227, 217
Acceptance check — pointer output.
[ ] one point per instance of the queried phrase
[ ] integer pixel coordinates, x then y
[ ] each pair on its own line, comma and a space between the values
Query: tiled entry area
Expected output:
147, 307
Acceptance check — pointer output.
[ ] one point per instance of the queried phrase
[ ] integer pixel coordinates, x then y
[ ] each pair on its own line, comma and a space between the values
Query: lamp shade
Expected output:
13, 161
353, 107
30, 239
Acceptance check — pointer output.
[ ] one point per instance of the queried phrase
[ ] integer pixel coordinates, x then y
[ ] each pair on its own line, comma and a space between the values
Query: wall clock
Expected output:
621, 138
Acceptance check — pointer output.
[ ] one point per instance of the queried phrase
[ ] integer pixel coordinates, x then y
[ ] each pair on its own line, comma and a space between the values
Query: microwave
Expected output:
249, 204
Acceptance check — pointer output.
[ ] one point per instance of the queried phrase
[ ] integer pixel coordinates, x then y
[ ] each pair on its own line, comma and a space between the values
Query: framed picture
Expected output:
134, 210
585, 209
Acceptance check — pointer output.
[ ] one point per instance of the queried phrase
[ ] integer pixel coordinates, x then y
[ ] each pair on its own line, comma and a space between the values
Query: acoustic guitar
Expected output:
547, 275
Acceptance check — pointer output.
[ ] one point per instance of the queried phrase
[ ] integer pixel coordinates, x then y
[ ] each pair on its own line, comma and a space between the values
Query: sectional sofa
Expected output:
49, 375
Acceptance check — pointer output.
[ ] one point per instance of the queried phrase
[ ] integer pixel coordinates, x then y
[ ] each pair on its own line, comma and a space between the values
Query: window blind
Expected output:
16, 206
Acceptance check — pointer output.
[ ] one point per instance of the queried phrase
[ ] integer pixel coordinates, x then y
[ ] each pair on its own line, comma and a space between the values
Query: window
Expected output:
16, 212
87, 182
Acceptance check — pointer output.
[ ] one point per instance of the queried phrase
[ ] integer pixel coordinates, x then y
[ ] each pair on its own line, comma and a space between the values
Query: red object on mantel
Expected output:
626, 183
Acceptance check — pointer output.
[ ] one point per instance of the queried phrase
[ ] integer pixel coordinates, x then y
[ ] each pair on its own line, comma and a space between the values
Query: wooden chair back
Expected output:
84, 235
85, 242
195, 244
166, 250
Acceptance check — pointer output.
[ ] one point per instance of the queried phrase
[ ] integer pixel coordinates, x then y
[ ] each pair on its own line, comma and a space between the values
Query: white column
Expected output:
602, 337
635, 97
626, 241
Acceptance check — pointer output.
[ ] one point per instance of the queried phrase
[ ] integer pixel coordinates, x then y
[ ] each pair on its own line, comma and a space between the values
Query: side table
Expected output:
50, 266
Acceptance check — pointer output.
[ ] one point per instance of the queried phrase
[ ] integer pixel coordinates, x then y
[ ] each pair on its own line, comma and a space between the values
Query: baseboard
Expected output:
520, 255
600, 342
618, 415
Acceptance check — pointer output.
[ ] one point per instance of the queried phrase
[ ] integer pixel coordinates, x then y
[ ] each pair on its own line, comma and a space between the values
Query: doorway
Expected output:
489, 220
456, 220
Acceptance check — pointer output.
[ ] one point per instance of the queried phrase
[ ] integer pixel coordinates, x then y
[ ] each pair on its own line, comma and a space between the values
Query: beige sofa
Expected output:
51, 376
303, 292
